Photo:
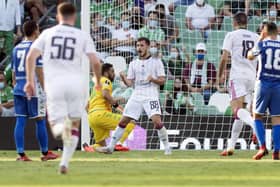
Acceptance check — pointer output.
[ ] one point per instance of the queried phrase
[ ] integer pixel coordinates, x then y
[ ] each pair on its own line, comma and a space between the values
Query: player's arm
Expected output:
160, 80
113, 101
223, 63
31, 58
40, 75
127, 82
96, 67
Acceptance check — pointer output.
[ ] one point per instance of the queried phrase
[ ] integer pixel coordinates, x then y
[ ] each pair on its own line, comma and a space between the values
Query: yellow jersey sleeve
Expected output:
97, 101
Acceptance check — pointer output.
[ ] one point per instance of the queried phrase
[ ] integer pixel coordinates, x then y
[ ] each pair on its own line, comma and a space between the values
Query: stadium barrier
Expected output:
193, 132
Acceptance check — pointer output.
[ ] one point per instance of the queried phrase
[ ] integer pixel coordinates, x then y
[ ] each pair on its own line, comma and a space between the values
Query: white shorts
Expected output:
134, 108
241, 87
65, 98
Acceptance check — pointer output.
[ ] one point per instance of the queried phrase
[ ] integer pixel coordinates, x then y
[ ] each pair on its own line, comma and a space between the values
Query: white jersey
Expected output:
62, 48
138, 71
238, 43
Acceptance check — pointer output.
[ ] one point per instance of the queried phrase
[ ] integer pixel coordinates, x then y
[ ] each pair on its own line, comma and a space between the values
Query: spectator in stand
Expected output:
137, 19
200, 76
167, 24
156, 53
6, 98
9, 19
124, 39
172, 6
101, 6
101, 35
200, 16
151, 30
278, 8
119, 6
35, 9
272, 13
231, 7
178, 102
176, 64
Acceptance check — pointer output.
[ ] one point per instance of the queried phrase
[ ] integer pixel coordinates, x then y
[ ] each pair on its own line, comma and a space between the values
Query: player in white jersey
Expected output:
62, 47
146, 74
242, 75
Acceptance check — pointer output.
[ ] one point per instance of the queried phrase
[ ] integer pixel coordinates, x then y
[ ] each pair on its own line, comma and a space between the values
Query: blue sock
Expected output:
260, 132
19, 133
276, 137
42, 134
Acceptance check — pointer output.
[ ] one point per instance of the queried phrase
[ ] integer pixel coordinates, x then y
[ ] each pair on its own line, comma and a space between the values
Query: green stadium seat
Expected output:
254, 23
228, 111
190, 39
180, 17
169, 85
227, 24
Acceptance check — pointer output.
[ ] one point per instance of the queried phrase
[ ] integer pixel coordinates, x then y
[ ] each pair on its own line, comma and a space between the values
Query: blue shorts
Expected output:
267, 96
29, 108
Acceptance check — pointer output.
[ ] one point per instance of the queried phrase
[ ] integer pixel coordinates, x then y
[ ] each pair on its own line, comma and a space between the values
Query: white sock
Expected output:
69, 149
116, 137
245, 116
163, 137
235, 132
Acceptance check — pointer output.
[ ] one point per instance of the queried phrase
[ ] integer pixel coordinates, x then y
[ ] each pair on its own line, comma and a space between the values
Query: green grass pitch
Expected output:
143, 169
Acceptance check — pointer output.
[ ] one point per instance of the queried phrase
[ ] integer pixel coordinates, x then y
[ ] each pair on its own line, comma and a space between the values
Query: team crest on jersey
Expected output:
107, 82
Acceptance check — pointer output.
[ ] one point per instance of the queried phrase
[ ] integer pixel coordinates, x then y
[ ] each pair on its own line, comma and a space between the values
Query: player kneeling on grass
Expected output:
146, 74
267, 89
35, 107
101, 118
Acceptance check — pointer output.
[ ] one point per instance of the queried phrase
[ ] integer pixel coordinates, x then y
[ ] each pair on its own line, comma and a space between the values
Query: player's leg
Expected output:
37, 110
152, 109
132, 111
260, 105
275, 113
70, 142
237, 93
276, 136
21, 113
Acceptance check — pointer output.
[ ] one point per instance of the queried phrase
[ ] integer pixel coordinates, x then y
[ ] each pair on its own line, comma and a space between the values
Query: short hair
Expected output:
94, 15
240, 18
146, 40
106, 67
153, 12
159, 6
66, 9
29, 27
271, 28
125, 13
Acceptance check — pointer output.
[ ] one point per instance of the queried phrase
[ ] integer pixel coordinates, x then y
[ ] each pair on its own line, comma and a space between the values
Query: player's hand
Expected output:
122, 74
29, 89
263, 35
121, 100
150, 78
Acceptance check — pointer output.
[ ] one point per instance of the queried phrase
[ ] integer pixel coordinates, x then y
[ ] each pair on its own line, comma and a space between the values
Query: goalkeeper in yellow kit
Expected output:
101, 118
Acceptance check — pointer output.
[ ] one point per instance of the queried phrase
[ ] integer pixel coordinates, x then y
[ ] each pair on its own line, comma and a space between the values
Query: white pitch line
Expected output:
181, 160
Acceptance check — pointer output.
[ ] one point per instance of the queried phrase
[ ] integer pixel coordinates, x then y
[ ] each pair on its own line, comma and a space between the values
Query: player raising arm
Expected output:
146, 74
242, 75
62, 48
267, 88
101, 118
